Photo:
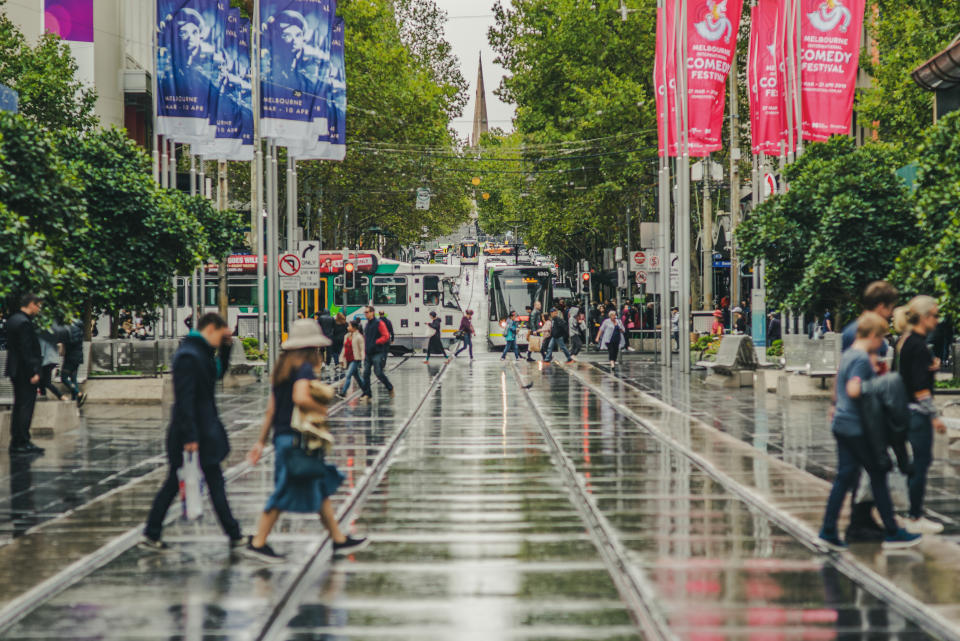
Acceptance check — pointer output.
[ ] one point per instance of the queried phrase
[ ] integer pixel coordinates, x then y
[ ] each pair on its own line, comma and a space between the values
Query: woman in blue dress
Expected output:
290, 381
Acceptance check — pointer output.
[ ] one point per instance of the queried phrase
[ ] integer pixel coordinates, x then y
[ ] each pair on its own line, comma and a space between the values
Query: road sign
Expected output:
674, 273
310, 278
641, 278
289, 283
289, 265
653, 263
638, 261
423, 198
309, 251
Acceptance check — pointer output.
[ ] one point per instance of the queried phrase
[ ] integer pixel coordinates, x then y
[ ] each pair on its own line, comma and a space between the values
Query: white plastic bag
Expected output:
191, 479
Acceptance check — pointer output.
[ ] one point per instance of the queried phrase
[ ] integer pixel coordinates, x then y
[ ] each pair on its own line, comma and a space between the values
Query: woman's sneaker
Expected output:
901, 540
833, 542
350, 545
264, 554
146, 543
923, 525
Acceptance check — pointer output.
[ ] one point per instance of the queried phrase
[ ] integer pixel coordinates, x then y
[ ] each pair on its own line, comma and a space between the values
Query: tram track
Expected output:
912, 609
637, 593
313, 569
35, 597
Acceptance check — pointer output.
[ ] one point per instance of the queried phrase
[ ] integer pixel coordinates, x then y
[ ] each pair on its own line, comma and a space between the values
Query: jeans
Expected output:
46, 380
920, 436
552, 345
375, 363
467, 344
24, 400
69, 379
171, 489
511, 345
853, 454
353, 369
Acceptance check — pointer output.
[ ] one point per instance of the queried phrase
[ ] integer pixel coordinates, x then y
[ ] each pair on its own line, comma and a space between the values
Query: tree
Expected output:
44, 199
28, 266
908, 34
845, 218
932, 265
45, 78
139, 236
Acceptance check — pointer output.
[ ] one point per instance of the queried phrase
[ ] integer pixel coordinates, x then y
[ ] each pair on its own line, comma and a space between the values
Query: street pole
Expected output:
256, 180
683, 195
707, 238
291, 229
735, 287
162, 169
222, 200
663, 201
274, 288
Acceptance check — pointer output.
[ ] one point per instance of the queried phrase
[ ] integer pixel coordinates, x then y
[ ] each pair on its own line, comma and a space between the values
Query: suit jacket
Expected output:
23, 348
194, 417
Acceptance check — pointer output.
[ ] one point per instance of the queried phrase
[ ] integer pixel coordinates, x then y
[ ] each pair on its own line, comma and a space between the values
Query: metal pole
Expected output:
291, 229
193, 175
256, 182
735, 283
683, 183
707, 241
172, 165
155, 151
798, 97
788, 30
223, 302
274, 288
162, 168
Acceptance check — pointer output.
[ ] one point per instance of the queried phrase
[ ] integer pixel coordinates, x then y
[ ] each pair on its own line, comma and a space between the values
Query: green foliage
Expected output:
932, 266
43, 202
908, 33
251, 347
45, 77
840, 226
776, 349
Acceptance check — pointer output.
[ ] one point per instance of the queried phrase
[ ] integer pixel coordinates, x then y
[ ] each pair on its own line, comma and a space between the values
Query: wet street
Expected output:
505, 500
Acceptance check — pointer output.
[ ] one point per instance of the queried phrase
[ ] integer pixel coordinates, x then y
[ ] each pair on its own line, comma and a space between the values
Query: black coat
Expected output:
23, 348
327, 323
194, 417
885, 416
73, 347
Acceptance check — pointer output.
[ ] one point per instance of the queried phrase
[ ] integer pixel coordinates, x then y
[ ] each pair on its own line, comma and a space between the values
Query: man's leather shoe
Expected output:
36, 449
21, 449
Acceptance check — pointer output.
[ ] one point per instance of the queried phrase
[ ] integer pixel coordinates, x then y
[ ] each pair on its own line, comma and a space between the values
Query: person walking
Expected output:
351, 356
558, 336
72, 359
717, 328
340, 328
853, 449
510, 336
536, 316
435, 342
467, 332
544, 332
327, 325
918, 367
376, 340
675, 326
50, 356
386, 321
290, 388
609, 337
195, 426
24, 361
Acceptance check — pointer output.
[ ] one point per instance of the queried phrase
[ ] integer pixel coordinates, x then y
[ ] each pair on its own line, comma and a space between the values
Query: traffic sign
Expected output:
289, 283
309, 251
639, 259
309, 278
653, 263
674, 272
289, 265
641, 278
645, 260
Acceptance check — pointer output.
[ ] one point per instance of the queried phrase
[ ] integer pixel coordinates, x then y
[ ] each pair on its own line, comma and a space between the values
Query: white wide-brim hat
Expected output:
305, 333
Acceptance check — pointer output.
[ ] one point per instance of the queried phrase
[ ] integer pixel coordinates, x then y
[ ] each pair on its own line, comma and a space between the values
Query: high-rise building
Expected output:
480, 123
111, 41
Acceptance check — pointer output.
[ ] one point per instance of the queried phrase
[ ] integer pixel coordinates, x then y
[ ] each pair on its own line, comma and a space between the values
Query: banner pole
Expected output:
256, 182
291, 230
155, 138
274, 218
735, 281
788, 51
798, 98
162, 167
683, 200
663, 204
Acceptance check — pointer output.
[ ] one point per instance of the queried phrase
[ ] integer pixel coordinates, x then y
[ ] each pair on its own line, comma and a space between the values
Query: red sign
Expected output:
829, 57
332, 263
711, 43
766, 77
289, 265
639, 258
238, 264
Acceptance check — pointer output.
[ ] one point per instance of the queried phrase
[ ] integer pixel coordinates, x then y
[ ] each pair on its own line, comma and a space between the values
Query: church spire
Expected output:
480, 124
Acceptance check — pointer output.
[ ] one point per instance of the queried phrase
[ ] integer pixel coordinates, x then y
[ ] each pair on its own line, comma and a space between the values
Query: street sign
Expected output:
423, 199
638, 261
641, 278
309, 251
674, 272
289, 283
309, 278
653, 263
289, 265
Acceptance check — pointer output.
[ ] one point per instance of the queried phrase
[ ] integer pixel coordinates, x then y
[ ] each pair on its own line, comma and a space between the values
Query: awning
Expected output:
942, 71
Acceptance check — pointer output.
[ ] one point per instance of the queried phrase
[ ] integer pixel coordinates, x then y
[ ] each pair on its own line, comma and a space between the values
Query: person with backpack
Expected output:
72, 359
558, 336
610, 337
376, 342
510, 328
467, 332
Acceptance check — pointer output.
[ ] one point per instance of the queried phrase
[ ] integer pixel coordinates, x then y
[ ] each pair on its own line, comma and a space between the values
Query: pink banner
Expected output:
666, 99
766, 77
829, 57
712, 27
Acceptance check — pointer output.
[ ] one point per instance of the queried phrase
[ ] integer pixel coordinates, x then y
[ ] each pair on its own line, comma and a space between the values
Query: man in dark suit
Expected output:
23, 367
195, 426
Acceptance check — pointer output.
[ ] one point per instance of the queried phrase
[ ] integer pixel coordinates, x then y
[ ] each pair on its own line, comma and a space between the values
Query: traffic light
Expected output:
349, 275
584, 282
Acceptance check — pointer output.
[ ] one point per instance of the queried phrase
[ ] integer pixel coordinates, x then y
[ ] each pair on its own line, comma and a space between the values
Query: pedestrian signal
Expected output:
349, 275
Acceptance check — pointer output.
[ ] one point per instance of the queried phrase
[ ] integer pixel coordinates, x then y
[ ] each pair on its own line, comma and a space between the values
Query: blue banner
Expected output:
188, 68
293, 55
332, 143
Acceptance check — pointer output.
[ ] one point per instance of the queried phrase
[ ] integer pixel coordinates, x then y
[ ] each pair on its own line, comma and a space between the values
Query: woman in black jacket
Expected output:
435, 344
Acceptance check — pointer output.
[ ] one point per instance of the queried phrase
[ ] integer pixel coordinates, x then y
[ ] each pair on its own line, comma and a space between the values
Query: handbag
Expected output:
191, 481
458, 335
535, 343
303, 464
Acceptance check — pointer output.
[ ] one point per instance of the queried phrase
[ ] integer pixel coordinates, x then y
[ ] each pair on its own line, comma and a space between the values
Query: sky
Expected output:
467, 25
